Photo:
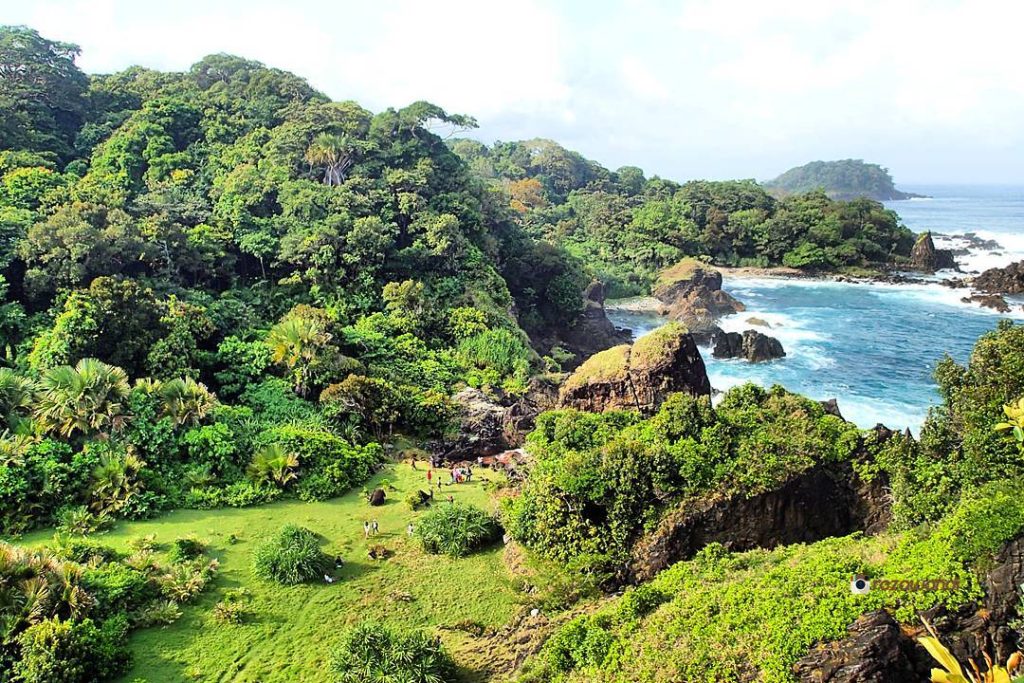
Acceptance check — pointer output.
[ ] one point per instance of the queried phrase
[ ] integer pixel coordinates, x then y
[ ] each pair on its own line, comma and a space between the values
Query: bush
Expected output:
415, 499
117, 588
372, 652
185, 549
55, 651
456, 529
293, 556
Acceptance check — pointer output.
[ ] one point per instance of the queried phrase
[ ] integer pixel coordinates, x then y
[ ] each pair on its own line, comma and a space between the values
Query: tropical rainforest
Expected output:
233, 310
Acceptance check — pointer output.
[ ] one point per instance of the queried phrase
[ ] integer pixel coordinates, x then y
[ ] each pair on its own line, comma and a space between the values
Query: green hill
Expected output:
844, 179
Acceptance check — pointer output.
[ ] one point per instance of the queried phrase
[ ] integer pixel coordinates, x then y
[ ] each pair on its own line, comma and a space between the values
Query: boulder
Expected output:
692, 292
874, 651
640, 376
377, 497
751, 345
926, 258
707, 337
1008, 280
481, 427
993, 301
827, 500
490, 425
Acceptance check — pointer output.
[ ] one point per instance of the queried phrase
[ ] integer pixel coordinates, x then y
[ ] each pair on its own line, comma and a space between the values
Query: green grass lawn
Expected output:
292, 630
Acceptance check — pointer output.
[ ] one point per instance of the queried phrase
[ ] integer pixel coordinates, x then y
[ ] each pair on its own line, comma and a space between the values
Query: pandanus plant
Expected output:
953, 672
35, 586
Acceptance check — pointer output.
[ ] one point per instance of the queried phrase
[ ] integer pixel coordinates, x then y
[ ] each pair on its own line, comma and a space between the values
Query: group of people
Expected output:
370, 528
458, 475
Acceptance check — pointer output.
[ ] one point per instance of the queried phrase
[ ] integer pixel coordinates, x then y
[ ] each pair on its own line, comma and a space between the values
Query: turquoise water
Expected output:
873, 347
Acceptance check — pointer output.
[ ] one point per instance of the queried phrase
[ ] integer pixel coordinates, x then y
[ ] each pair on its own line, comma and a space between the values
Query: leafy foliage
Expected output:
456, 529
374, 653
292, 556
601, 479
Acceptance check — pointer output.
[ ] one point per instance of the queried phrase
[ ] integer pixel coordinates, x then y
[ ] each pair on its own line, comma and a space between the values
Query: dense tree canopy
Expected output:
628, 227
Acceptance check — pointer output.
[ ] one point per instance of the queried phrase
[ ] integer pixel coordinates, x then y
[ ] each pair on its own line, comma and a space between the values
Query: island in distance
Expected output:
843, 180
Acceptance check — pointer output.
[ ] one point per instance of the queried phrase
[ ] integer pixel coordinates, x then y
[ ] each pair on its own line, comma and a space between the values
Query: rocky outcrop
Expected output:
823, 501
925, 257
875, 651
488, 425
692, 292
591, 331
481, 426
751, 345
983, 626
1008, 280
993, 301
640, 376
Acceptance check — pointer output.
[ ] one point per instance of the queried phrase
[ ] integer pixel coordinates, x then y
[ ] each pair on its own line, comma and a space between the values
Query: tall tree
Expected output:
40, 92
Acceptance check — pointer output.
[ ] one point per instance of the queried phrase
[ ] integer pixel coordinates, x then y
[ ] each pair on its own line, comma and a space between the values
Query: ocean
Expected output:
874, 347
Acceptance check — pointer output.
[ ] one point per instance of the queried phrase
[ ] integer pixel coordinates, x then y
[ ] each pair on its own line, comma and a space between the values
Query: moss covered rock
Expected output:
640, 376
692, 292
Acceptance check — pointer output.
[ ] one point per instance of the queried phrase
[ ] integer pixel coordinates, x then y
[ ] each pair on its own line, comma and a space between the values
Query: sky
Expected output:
931, 89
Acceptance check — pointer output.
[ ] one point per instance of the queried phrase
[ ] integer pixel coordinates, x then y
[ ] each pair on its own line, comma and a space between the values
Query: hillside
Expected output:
844, 179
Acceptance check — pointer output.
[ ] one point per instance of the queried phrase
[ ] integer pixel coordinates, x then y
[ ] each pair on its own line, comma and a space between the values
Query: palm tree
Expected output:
296, 342
334, 153
115, 481
15, 399
186, 401
88, 398
274, 463
34, 586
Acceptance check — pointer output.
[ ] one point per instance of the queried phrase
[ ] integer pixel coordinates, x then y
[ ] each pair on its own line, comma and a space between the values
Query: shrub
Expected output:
456, 529
159, 613
185, 581
82, 551
185, 549
415, 499
372, 652
55, 651
291, 557
117, 588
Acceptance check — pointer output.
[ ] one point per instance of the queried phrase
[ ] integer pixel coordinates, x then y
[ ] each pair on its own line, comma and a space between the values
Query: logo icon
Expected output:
859, 584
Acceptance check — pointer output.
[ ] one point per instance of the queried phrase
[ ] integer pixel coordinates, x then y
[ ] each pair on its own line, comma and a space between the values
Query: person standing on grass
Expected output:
366, 529
376, 528
409, 529
430, 475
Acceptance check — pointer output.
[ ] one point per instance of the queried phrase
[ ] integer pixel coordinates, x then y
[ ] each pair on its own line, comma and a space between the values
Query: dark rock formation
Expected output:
752, 345
692, 291
640, 376
377, 497
982, 627
707, 336
875, 651
491, 425
520, 417
481, 427
993, 301
925, 257
591, 331
831, 407
826, 500
1008, 280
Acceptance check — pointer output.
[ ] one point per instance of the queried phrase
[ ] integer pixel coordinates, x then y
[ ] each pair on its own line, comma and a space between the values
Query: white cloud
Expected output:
931, 88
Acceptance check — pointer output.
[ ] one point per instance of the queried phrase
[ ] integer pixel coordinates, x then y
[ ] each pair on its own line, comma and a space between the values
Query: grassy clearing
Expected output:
292, 630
